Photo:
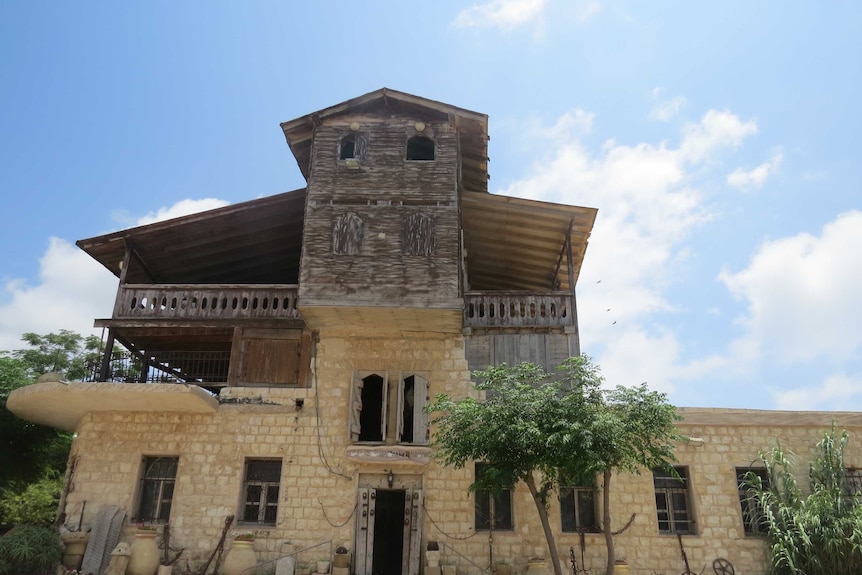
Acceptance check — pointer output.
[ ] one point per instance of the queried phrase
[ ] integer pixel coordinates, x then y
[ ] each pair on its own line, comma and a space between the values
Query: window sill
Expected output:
405, 454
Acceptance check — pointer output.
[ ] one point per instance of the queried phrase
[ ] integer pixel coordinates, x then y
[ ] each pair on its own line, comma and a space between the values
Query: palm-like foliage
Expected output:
815, 534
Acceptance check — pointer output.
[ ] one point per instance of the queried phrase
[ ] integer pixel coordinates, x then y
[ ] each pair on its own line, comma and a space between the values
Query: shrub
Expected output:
30, 550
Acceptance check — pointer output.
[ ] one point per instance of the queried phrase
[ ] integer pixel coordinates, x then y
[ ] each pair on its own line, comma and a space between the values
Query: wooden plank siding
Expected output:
387, 193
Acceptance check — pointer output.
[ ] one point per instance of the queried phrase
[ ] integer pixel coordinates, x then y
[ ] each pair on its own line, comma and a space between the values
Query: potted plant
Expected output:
144, 558
342, 557
432, 554
502, 568
322, 566
241, 555
450, 567
302, 568
621, 567
537, 565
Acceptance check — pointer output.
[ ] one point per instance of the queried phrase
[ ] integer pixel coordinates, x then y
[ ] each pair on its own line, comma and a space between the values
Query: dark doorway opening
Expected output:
388, 532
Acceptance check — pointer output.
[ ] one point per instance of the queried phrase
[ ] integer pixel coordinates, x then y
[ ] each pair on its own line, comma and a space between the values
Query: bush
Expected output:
35, 504
30, 550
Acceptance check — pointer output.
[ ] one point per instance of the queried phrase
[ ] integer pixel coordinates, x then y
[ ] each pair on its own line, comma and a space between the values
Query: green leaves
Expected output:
815, 534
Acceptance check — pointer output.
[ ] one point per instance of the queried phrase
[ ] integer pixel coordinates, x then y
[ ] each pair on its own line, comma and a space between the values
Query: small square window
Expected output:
672, 501
492, 509
260, 491
158, 477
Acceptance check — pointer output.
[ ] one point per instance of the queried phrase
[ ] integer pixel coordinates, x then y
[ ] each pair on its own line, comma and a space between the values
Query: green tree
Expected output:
29, 452
535, 428
815, 534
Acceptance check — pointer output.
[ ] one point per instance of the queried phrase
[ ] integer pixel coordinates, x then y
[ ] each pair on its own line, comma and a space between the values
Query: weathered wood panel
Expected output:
408, 251
270, 361
205, 302
546, 349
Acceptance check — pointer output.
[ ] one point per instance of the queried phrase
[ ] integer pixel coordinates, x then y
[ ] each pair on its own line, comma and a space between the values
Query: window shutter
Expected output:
355, 407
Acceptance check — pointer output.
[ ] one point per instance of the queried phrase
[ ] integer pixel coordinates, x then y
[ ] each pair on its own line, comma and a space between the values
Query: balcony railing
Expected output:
164, 367
202, 302
518, 309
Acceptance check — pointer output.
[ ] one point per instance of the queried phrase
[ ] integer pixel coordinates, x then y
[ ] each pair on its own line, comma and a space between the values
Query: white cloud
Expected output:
505, 14
802, 294
648, 206
73, 289
668, 109
181, 208
752, 179
717, 129
576, 121
836, 392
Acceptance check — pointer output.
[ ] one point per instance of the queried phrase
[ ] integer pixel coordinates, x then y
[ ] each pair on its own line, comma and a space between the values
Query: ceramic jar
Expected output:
240, 557
144, 559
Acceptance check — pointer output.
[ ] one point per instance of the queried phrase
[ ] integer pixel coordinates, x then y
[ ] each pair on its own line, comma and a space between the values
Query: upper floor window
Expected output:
853, 482
420, 148
493, 509
374, 401
672, 500
260, 491
352, 147
347, 234
752, 521
577, 507
158, 477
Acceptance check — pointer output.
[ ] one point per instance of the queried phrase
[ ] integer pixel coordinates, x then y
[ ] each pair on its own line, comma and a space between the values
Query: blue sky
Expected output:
718, 141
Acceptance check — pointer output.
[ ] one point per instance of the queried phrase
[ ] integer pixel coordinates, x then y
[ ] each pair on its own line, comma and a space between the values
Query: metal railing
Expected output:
164, 367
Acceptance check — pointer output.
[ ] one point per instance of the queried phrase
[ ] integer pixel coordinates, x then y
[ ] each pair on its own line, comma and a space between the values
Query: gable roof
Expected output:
472, 128
253, 242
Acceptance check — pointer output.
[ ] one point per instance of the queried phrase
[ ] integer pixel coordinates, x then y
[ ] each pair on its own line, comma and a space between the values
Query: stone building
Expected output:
270, 360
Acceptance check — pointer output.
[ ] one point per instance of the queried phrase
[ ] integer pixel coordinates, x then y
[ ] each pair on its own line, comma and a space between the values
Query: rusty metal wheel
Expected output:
722, 566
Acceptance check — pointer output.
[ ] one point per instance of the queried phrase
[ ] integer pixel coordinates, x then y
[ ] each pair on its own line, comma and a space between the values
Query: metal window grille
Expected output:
261, 489
157, 488
672, 501
578, 508
493, 510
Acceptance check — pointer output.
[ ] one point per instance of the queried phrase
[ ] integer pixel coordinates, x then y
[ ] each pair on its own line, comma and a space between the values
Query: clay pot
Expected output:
240, 557
76, 544
144, 559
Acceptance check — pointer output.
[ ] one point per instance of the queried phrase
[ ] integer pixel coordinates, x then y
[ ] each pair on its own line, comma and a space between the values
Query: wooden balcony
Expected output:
518, 309
206, 302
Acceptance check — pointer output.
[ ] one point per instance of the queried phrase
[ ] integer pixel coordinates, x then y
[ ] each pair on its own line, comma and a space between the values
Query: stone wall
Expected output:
319, 482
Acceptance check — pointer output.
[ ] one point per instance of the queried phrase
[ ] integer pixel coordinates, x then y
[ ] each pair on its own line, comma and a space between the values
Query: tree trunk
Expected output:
546, 525
606, 522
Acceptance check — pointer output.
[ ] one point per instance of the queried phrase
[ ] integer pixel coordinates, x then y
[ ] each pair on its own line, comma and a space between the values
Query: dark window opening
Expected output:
493, 510
371, 416
407, 411
260, 490
157, 488
420, 148
672, 500
348, 148
752, 517
578, 508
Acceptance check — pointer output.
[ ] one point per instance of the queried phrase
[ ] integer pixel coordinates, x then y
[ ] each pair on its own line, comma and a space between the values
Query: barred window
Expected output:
493, 510
672, 500
578, 507
260, 491
158, 477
